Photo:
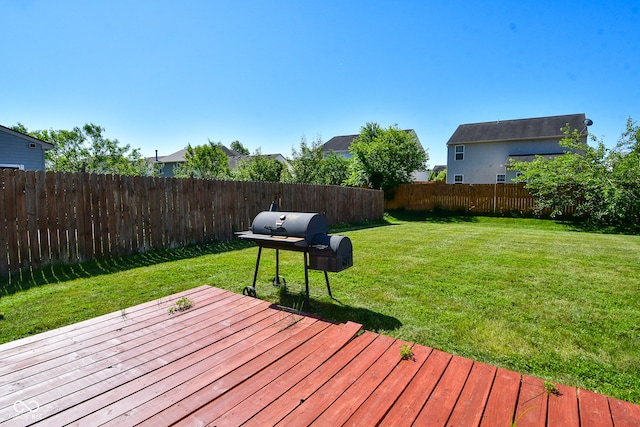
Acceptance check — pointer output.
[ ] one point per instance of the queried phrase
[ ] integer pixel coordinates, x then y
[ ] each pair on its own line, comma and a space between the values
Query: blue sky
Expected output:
162, 74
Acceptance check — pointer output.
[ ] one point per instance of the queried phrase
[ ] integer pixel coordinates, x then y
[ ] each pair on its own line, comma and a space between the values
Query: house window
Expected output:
459, 152
501, 178
8, 166
458, 179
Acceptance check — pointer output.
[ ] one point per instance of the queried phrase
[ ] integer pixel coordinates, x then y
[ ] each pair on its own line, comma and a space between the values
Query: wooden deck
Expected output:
233, 360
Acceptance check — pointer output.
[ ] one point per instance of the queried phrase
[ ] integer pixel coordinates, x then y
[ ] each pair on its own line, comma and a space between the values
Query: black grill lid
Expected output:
290, 224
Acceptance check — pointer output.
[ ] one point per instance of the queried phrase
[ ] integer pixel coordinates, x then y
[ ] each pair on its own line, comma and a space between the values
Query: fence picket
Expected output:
21, 217
4, 233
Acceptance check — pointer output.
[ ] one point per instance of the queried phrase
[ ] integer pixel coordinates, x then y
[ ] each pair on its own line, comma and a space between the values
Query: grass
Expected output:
535, 296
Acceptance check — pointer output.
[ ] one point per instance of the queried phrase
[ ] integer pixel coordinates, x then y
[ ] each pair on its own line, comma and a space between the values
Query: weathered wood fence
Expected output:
470, 198
48, 218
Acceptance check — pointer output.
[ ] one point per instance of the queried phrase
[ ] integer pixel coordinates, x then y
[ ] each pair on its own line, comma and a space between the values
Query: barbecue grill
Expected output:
301, 232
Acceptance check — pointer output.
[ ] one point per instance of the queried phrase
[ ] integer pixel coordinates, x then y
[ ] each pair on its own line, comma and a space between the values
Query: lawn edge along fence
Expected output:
52, 217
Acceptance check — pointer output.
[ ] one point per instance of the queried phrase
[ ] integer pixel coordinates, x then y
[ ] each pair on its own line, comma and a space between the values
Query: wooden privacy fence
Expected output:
473, 198
48, 217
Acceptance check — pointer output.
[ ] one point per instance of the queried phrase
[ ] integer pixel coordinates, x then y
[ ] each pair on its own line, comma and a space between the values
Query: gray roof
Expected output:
46, 145
513, 130
234, 157
342, 143
339, 143
178, 156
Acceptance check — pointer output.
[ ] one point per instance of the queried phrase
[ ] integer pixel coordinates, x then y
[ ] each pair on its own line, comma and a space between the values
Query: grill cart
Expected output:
300, 232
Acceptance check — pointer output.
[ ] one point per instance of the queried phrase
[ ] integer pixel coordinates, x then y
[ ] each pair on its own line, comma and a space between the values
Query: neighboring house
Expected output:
172, 160
478, 153
20, 151
233, 160
340, 146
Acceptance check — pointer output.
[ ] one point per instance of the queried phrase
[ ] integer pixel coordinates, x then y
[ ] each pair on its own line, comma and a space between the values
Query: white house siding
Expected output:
15, 152
483, 161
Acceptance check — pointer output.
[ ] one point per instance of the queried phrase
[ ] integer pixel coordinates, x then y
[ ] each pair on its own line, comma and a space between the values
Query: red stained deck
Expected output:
233, 360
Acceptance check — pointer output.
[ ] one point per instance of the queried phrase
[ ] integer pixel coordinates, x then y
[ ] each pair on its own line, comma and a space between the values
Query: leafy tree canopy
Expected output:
334, 169
306, 163
602, 184
238, 147
204, 161
385, 158
258, 168
438, 177
87, 150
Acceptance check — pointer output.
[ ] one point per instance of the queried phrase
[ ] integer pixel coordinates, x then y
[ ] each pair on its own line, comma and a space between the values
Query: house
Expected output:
21, 151
233, 160
172, 160
479, 153
339, 145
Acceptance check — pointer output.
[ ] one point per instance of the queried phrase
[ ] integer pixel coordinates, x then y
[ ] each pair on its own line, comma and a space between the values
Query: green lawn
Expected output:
535, 296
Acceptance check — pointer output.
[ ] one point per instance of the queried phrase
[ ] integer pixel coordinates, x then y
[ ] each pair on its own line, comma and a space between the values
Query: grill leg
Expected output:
251, 290
278, 280
306, 281
326, 278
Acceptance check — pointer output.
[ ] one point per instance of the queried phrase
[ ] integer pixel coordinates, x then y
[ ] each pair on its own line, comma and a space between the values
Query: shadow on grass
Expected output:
341, 228
336, 311
62, 273
569, 223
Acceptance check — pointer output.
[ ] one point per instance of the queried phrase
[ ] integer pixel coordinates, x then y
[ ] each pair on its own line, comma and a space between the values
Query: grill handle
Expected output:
278, 228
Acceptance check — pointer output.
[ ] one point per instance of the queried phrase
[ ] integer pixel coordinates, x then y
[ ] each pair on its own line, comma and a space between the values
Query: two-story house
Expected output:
479, 153
21, 151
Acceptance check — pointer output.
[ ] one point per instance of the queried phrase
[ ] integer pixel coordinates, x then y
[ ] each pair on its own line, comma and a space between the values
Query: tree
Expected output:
603, 185
238, 147
334, 169
385, 158
306, 163
204, 161
87, 150
258, 168
439, 177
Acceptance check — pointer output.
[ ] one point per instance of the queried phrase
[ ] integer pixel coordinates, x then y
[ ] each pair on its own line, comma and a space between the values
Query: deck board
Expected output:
473, 399
594, 409
443, 399
374, 409
234, 360
500, 407
414, 396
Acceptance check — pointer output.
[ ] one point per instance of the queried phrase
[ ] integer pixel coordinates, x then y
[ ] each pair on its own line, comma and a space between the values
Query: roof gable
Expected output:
28, 138
514, 130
